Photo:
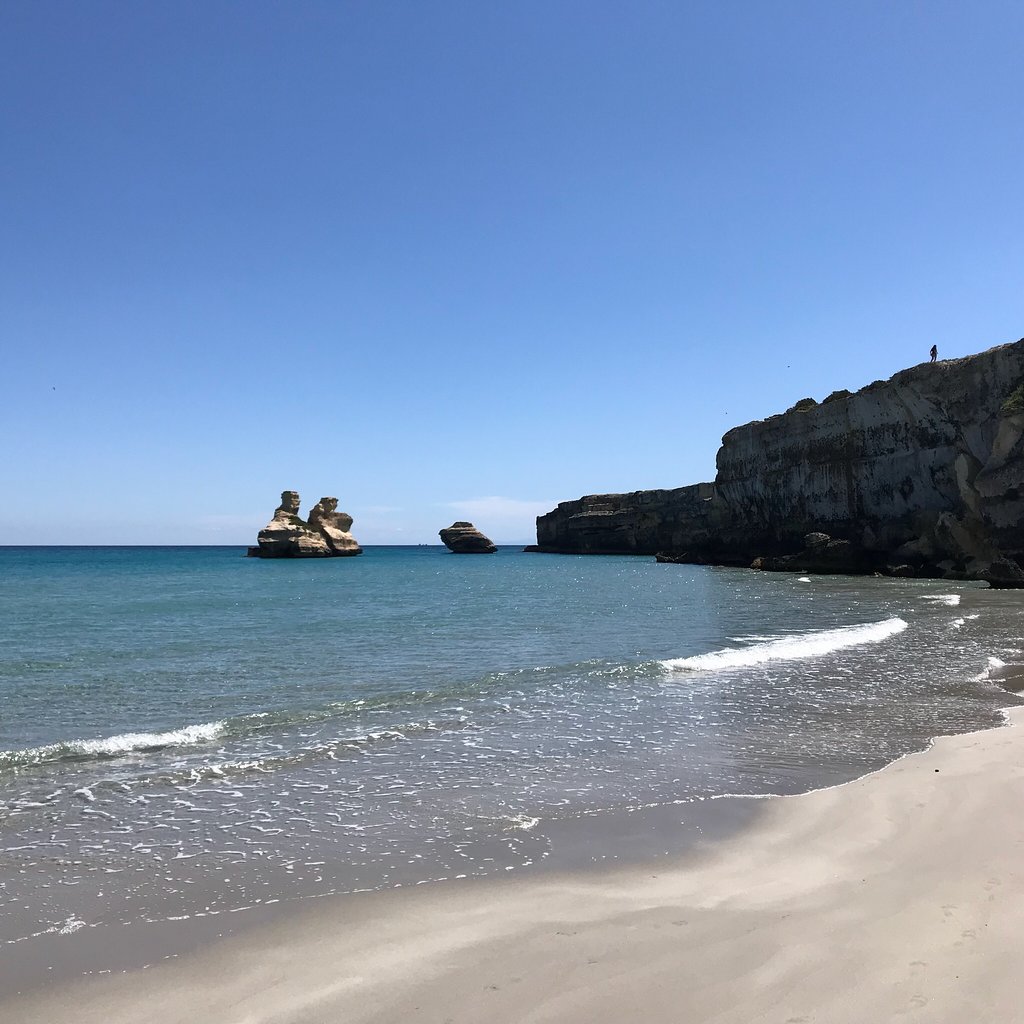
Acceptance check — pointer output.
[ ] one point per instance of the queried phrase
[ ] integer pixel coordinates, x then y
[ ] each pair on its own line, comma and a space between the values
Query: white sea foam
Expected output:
951, 599
790, 648
127, 742
994, 664
524, 822
115, 746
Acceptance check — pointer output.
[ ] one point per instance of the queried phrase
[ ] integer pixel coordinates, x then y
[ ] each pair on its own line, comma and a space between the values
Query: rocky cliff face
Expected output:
638, 523
287, 535
924, 470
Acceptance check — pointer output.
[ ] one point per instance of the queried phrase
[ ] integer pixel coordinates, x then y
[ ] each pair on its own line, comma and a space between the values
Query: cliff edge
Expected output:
922, 473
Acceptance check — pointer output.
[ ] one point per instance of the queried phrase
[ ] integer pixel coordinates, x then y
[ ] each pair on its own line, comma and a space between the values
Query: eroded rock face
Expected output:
287, 535
925, 470
639, 523
466, 539
334, 527
289, 503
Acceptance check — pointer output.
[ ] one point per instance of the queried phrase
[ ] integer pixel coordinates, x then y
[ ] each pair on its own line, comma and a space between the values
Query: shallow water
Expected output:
185, 732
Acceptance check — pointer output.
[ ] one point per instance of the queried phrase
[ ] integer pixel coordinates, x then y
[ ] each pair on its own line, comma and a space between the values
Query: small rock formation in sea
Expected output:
920, 475
466, 539
287, 535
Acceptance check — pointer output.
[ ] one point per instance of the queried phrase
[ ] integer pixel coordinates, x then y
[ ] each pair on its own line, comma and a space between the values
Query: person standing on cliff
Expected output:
934, 352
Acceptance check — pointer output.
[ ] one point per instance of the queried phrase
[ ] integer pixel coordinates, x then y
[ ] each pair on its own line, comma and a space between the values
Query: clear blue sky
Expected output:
465, 260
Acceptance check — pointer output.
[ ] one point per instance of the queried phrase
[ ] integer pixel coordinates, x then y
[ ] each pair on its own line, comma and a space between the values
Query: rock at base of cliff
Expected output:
465, 539
1000, 573
708, 557
901, 572
287, 535
821, 554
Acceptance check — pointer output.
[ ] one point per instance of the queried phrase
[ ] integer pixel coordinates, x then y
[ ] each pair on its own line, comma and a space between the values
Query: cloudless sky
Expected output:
465, 260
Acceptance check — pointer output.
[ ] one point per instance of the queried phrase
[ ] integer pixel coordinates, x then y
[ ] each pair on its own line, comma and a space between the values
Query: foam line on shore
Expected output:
784, 884
790, 648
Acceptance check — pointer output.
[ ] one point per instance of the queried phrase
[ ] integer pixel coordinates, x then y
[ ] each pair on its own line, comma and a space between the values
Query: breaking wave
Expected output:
433, 710
790, 648
113, 746
991, 669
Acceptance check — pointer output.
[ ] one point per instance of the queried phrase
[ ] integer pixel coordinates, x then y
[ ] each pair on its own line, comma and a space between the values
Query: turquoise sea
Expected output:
186, 733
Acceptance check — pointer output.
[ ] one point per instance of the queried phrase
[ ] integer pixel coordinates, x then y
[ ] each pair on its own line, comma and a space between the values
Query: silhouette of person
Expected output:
934, 352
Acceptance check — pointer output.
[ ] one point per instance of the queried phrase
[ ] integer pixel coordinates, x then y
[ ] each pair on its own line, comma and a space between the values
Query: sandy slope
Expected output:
897, 897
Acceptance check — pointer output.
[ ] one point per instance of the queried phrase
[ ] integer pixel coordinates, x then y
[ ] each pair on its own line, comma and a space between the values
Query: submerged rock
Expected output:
287, 535
466, 539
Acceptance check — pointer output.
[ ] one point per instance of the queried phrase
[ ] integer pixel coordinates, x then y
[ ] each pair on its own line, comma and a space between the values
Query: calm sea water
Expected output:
187, 732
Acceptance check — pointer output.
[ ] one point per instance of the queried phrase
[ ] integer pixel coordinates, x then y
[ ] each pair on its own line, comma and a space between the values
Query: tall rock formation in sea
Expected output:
923, 472
287, 535
334, 527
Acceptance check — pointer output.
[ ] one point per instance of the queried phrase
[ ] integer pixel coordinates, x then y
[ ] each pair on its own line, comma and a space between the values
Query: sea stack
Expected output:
334, 527
287, 535
466, 539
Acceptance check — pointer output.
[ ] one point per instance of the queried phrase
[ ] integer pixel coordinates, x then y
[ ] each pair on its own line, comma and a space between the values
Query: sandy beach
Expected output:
897, 896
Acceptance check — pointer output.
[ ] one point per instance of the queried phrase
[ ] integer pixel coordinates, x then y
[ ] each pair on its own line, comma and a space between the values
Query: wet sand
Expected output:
574, 844
896, 897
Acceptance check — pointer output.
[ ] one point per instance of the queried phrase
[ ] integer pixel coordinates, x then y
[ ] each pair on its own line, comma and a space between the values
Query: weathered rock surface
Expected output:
334, 527
287, 535
924, 472
466, 539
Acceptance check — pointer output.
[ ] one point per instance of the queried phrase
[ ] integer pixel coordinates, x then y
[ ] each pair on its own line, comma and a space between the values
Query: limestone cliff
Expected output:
287, 535
924, 470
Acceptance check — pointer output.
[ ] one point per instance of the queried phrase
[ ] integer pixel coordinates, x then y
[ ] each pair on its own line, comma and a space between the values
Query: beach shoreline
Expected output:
895, 895
580, 844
